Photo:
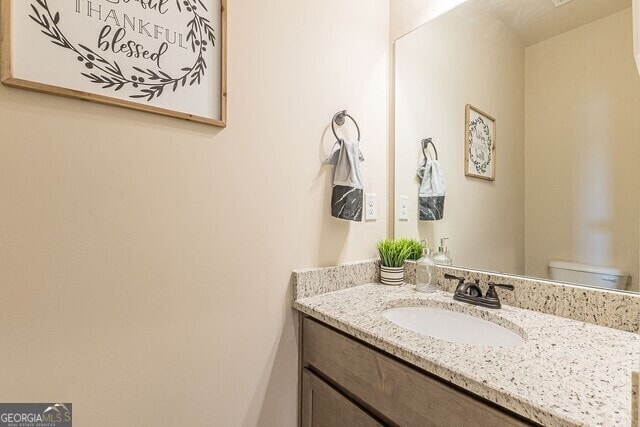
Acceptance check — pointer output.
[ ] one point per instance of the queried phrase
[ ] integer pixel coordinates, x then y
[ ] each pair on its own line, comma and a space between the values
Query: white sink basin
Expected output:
452, 326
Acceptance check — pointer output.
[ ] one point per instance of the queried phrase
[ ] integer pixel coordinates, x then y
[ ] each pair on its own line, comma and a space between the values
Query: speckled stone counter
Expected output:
619, 310
567, 372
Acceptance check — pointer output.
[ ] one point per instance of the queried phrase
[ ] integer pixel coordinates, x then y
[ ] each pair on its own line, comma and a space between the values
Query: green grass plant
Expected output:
393, 253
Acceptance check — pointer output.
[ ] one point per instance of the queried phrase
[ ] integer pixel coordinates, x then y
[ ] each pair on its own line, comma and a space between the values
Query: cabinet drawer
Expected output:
394, 391
323, 406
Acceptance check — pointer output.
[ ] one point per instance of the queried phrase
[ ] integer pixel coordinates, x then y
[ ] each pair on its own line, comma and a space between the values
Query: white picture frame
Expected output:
161, 56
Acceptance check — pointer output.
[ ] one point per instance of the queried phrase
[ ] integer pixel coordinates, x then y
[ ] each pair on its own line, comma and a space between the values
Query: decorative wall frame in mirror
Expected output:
479, 144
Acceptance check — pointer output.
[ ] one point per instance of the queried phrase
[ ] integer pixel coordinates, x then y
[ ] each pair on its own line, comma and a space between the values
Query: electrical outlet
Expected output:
371, 207
403, 208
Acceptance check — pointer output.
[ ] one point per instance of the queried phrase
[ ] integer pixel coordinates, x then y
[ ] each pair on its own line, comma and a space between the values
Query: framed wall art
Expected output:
161, 56
480, 144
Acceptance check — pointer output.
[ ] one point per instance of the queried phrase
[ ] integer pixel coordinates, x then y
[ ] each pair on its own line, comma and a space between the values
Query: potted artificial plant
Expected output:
393, 254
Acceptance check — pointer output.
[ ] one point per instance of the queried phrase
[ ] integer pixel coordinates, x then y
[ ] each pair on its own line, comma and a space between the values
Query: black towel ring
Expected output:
339, 119
425, 146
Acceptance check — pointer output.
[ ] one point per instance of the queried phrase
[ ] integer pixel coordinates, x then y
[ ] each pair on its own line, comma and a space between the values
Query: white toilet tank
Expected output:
602, 277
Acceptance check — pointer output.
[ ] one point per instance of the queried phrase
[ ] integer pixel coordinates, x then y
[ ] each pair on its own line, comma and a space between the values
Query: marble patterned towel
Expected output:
432, 190
346, 197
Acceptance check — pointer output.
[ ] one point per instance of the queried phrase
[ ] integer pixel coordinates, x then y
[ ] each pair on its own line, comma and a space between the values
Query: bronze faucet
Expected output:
471, 293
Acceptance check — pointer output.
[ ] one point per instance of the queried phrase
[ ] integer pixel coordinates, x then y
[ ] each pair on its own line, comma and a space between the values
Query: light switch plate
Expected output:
403, 208
371, 207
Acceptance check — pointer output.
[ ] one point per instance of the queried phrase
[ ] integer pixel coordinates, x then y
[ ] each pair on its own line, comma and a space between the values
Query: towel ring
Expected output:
339, 119
425, 146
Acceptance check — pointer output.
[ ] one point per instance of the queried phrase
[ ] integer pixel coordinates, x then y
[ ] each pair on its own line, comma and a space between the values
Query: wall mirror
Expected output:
553, 85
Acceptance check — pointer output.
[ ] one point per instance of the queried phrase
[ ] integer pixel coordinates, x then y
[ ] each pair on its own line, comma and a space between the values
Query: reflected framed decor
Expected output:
480, 144
161, 56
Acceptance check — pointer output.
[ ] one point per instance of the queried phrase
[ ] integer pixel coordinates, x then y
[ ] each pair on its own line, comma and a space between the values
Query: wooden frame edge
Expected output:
468, 109
7, 78
223, 65
467, 113
5, 40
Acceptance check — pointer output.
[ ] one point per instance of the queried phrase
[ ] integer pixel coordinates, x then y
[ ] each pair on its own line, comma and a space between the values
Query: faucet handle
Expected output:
452, 277
491, 292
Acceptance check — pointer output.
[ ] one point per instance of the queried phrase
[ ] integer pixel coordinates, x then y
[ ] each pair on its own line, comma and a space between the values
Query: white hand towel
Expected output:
432, 190
346, 197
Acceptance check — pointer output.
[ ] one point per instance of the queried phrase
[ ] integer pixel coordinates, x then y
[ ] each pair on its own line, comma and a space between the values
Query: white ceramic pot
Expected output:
392, 275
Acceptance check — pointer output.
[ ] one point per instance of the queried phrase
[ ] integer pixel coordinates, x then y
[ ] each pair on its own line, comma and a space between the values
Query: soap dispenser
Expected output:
443, 257
426, 271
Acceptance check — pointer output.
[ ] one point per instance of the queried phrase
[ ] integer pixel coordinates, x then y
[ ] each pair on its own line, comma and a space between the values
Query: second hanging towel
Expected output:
432, 190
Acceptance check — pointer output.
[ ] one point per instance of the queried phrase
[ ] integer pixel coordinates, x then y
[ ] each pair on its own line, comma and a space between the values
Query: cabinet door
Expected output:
323, 406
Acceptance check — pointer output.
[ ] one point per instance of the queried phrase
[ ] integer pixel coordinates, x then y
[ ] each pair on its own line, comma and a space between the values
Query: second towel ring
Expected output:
425, 146
339, 119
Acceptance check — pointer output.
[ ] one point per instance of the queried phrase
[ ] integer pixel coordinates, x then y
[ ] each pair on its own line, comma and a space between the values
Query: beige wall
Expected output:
582, 151
145, 261
407, 15
433, 84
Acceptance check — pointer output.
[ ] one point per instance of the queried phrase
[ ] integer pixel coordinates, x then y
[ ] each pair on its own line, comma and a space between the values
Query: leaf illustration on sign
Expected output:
148, 83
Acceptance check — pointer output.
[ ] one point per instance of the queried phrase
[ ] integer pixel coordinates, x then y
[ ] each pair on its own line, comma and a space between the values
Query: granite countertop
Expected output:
567, 372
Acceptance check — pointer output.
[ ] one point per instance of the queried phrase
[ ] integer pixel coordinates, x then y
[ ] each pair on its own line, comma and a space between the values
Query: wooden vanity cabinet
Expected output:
349, 383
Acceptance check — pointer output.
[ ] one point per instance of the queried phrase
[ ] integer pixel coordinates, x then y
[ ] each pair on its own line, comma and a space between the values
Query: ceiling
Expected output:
536, 20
